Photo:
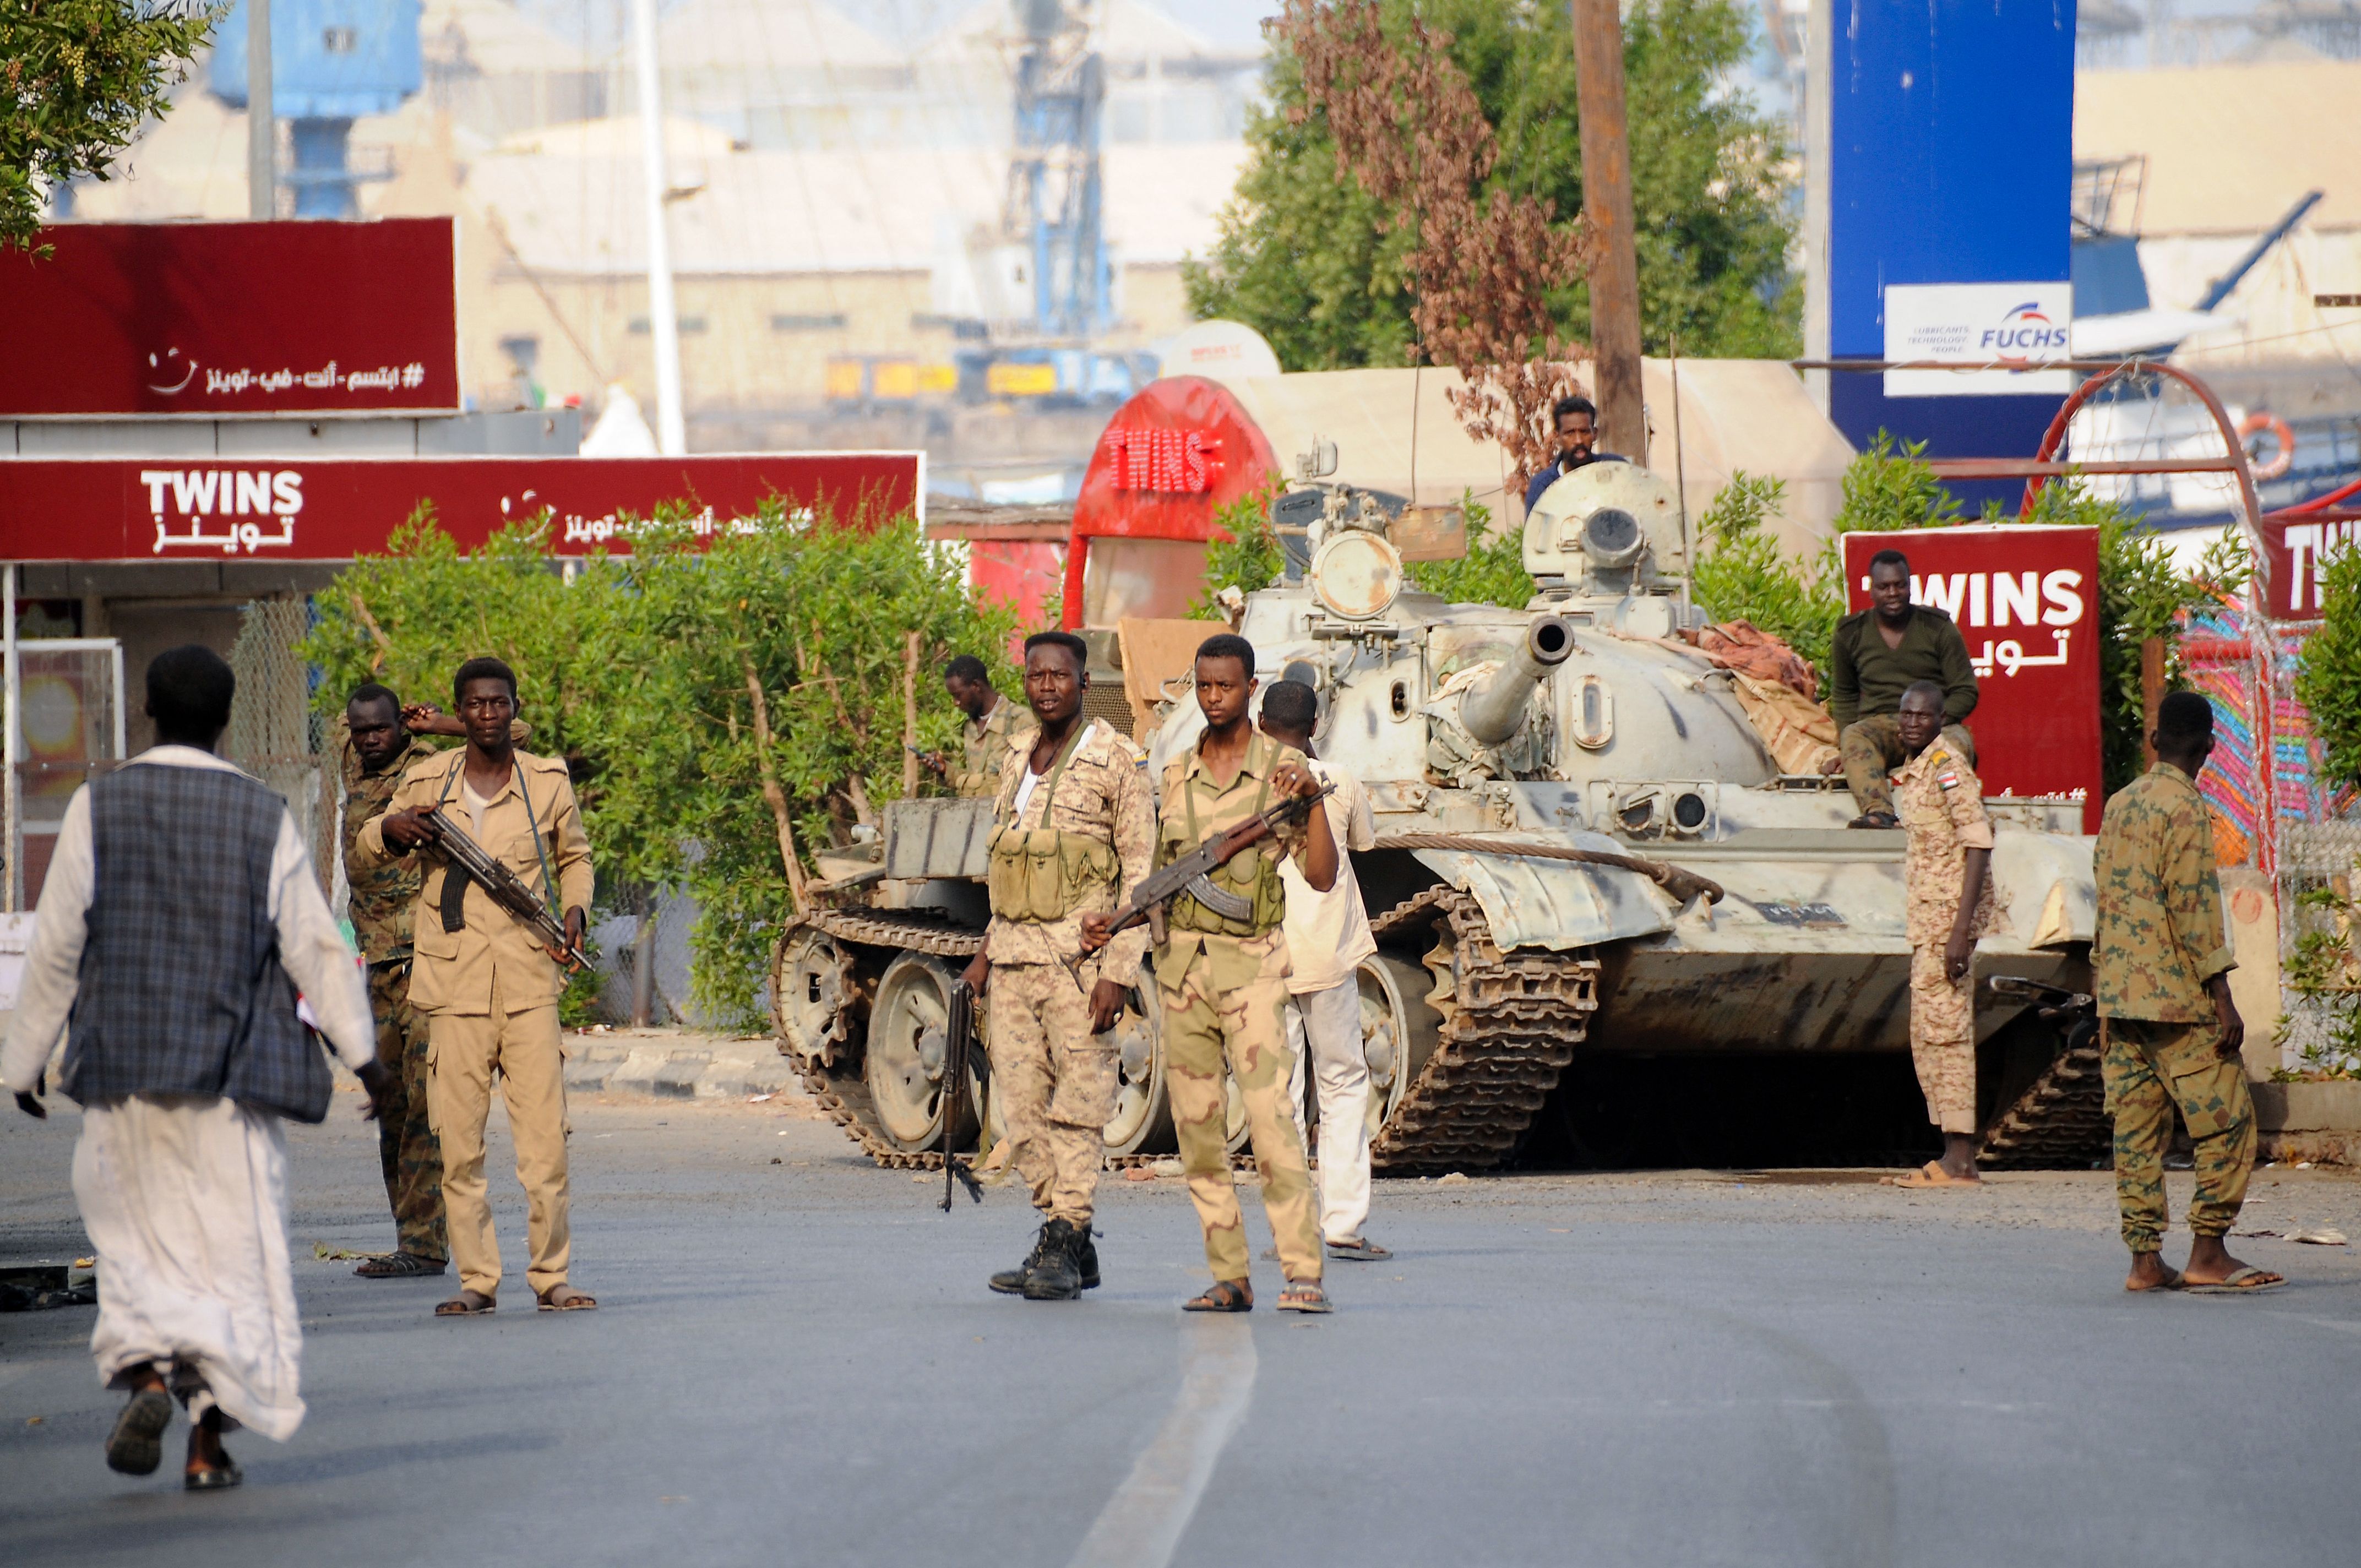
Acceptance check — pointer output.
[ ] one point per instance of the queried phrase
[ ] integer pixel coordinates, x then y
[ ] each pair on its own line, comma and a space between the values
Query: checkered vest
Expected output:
181, 990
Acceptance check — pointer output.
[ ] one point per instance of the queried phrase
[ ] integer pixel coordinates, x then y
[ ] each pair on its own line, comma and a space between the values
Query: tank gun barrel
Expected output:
1494, 707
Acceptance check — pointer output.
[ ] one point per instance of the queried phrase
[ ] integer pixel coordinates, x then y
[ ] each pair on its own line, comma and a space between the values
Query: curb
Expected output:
672, 1065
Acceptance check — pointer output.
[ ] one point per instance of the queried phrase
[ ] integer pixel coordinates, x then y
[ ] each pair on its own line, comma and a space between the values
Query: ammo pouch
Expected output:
1042, 873
1251, 874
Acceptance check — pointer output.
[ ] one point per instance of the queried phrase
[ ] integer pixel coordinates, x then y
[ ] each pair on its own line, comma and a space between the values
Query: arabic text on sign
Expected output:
384, 378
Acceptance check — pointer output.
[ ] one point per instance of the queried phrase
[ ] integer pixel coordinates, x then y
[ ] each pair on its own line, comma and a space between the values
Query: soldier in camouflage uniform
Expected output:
380, 744
1223, 983
993, 726
1072, 837
2171, 1033
1948, 886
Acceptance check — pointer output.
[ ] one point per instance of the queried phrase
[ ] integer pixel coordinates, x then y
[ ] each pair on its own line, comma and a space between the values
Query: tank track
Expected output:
1509, 1024
846, 1097
2060, 1120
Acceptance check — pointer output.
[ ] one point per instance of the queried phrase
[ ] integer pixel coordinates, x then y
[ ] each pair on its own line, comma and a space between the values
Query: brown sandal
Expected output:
466, 1304
1226, 1296
572, 1301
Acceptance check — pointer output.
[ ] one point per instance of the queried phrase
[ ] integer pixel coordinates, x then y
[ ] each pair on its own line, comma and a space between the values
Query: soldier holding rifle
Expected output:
487, 977
1221, 969
1073, 839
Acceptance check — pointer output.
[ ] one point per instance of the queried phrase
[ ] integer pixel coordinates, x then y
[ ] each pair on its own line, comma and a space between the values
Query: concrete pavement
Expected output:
796, 1363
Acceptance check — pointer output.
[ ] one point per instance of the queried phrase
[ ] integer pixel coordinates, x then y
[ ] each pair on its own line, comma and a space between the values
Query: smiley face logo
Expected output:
157, 363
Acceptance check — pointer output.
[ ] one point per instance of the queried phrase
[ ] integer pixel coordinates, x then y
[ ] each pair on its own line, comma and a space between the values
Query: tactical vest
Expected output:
1251, 874
1042, 873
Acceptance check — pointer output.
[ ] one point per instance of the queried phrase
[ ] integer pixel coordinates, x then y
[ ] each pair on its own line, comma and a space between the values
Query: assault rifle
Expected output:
1189, 874
467, 859
959, 1035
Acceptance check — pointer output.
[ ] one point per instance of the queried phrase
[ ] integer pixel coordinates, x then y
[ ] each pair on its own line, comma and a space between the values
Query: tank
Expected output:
1583, 846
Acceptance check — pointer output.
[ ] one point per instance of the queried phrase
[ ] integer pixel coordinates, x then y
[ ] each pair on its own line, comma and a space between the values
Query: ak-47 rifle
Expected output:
959, 1034
467, 858
1189, 874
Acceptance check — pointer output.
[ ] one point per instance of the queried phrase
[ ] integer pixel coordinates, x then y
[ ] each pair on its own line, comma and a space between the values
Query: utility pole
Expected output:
261, 122
663, 319
1606, 202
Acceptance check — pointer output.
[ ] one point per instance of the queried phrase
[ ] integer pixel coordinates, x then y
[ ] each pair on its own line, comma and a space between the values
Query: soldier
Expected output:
382, 743
1074, 838
994, 725
1222, 981
1949, 891
1876, 653
487, 987
2171, 1033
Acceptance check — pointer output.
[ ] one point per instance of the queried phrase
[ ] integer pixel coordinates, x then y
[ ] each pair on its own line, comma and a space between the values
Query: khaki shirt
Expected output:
383, 895
2159, 937
1235, 960
454, 971
988, 741
1101, 794
1942, 803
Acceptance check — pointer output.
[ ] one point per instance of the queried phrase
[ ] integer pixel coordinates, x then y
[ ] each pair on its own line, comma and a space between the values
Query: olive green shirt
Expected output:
1867, 678
2160, 936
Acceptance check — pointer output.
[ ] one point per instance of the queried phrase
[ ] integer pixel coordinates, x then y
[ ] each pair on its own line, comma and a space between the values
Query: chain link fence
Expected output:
274, 735
2320, 944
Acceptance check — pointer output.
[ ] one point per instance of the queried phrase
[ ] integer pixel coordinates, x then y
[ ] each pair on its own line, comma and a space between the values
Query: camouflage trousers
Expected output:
1943, 1040
1872, 747
1203, 1025
1053, 1081
407, 1148
2150, 1069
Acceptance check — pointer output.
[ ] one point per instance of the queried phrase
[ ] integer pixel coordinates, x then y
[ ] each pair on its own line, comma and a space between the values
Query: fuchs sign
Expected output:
152, 510
207, 319
2026, 599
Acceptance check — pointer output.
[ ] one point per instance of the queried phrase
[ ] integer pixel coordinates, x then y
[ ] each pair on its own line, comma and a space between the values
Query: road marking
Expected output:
1142, 1523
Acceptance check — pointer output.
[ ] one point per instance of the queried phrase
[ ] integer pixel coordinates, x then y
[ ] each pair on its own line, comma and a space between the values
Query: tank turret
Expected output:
1493, 709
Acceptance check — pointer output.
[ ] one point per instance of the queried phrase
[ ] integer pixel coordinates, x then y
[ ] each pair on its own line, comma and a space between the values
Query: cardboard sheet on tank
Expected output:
1555, 905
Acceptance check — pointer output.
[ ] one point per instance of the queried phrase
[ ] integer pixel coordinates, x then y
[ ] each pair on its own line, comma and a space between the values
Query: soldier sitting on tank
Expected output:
1877, 654
993, 721
1576, 419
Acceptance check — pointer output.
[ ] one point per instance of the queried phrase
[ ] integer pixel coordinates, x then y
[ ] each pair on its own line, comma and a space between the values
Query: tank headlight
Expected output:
1357, 575
1612, 537
1688, 811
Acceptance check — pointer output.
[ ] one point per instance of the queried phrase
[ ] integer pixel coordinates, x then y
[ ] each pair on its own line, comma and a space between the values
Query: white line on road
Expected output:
1142, 1523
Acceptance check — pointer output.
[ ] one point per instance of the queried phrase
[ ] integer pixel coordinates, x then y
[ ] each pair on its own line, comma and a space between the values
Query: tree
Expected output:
1321, 265
80, 76
2328, 681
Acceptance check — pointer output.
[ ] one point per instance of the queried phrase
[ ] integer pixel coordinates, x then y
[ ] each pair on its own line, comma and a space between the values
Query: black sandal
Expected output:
399, 1266
1226, 1296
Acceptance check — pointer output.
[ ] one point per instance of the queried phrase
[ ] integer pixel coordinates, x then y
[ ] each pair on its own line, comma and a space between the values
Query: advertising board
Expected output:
1982, 323
208, 319
2027, 601
285, 509
2294, 578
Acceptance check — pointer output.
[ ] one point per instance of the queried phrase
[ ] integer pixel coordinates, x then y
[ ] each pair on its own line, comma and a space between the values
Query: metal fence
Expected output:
273, 734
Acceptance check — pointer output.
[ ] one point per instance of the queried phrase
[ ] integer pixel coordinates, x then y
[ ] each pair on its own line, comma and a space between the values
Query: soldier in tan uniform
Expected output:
1223, 981
1073, 830
1947, 885
487, 985
2172, 1036
994, 725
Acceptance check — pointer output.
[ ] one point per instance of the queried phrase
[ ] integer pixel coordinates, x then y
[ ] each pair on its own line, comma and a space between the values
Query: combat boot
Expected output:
1086, 1259
1011, 1281
1057, 1276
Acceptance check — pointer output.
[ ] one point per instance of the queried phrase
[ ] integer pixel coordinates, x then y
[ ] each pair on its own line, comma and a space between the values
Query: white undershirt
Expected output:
477, 805
1024, 794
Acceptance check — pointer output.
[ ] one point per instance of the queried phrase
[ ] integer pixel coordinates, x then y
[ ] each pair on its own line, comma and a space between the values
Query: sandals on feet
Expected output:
1226, 1296
571, 1301
1305, 1296
399, 1266
137, 1445
2244, 1281
466, 1304
1360, 1249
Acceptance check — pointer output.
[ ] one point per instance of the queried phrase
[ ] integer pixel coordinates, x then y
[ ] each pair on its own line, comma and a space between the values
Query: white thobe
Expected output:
1327, 937
184, 1196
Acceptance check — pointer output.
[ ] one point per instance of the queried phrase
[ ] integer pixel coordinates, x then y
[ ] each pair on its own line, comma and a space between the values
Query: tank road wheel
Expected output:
811, 997
907, 1038
1142, 1122
1399, 1029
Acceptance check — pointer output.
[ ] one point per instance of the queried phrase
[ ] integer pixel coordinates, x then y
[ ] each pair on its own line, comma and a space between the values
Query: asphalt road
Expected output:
796, 1363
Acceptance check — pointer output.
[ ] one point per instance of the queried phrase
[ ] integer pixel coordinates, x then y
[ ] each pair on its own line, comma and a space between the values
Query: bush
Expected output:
2328, 681
1244, 555
1492, 571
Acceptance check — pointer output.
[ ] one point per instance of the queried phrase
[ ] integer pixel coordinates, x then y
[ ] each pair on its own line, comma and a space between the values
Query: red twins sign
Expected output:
2027, 601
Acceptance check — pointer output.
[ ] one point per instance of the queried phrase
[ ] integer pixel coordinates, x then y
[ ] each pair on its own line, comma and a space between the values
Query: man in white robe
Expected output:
178, 908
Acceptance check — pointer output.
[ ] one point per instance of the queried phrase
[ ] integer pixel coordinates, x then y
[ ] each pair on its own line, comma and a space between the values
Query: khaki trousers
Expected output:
1054, 1082
463, 1052
1943, 1040
1203, 1025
